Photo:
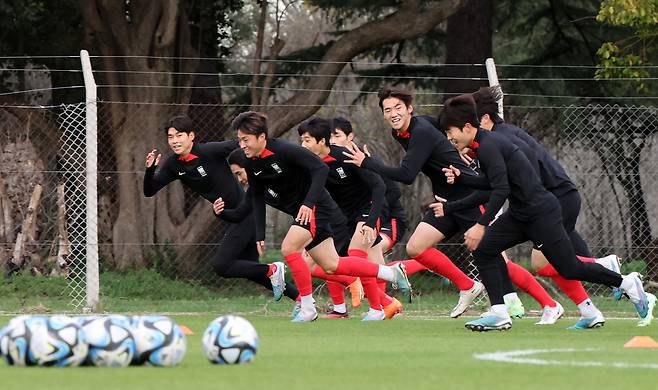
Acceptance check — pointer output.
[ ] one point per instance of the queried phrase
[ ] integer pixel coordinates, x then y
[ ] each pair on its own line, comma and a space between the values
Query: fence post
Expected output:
91, 187
493, 80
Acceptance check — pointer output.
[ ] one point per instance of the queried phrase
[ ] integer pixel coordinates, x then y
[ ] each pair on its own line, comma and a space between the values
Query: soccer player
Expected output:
533, 214
427, 150
359, 193
297, 176
555, 180
203, 168
335, 283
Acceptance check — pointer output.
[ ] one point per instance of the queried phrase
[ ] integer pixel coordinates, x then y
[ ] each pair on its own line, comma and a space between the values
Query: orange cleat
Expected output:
356, 291
392, 309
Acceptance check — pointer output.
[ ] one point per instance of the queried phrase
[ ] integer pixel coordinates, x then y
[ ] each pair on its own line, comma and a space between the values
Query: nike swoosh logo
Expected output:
257, 173
539, 246
181, 173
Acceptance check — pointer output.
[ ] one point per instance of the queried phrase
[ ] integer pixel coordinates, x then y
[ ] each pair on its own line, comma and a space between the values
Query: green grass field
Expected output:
414, 352
421, 350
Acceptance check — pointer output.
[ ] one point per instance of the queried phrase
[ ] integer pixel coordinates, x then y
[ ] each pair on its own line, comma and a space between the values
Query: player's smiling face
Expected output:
179, 141
461, 138
308, 142
396, 113
251, 145
339, 138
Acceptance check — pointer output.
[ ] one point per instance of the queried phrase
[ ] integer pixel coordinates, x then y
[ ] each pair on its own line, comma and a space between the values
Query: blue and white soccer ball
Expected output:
230, 339
110, 338
159, 341
4, 345
45, 341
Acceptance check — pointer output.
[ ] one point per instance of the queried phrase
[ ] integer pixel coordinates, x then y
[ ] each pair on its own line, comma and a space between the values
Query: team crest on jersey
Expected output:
276, 167
341, 172
202, 171
272, 193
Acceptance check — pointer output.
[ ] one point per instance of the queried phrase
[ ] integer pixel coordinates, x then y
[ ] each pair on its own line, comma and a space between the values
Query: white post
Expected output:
91, 187
493, 80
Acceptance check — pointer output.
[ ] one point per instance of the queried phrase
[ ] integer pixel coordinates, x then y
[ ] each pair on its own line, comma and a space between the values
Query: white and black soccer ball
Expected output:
46, 341
159, 341
4, 345
111, 341
230, 339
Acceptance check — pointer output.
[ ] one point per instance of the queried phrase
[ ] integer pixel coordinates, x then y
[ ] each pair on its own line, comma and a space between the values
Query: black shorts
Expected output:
320, 226
453, 223
570, 209
394, 229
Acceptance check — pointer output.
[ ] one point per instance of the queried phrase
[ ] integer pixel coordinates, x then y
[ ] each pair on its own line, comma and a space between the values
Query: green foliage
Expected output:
625, 58
149, 284
636, 265
23, 285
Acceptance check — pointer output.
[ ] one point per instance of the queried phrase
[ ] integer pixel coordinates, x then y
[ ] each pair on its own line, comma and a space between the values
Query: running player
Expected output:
202, 167
297, 177
427, 150
534, 214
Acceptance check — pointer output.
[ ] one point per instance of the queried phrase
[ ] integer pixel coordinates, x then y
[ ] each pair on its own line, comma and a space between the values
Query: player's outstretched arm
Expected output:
155, 179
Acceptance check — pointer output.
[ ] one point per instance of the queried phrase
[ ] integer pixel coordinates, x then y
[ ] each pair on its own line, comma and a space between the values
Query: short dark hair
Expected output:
387, 92
486, 101
318, 128
181, 123
251, 122
238, 158
458, 111
342, 124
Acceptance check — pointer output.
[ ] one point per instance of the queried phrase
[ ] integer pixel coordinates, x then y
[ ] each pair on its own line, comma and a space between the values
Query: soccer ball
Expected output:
230, 339
111, 343
46, 341
159, 341
4, 345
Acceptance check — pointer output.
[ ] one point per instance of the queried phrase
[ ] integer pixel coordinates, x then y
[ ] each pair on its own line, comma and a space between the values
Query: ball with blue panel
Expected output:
230, 339
111, 340
159, 341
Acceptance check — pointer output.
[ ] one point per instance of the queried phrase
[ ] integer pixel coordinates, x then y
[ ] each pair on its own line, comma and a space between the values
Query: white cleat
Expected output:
610, 262
466, 298
550, 315
306, 315
583, 323
632, 285
278, 280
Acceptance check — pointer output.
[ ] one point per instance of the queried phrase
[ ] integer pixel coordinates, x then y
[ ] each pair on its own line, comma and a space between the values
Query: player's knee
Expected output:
571, 273
413, 249
330, 269
221, 268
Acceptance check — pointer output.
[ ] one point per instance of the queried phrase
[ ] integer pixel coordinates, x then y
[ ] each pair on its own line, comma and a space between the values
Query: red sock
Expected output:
372, 292
336, 292
438, 262
356, 266
300, 273
573, 288
385, 299
357, 253
526, 282
271, 269
411, 266
342, 279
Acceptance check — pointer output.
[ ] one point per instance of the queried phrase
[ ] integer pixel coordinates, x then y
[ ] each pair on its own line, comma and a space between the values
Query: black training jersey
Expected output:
205, 171
355, 190
394, 208
552, 174
294, 174
427, 150
509, 174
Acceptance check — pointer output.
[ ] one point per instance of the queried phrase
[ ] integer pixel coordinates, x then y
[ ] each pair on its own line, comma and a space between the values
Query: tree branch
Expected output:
411, 20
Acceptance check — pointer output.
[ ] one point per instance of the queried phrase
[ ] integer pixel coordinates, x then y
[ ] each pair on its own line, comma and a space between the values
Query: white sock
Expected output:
499, 310
307, 302
587, 308
386, 273
510, 297
340, 308
628, 285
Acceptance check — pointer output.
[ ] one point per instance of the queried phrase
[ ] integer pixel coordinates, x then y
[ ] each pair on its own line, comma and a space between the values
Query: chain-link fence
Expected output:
608, 150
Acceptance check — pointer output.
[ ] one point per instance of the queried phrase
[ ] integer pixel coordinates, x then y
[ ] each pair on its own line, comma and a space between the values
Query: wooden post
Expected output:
25, 233
64, 245
6, 222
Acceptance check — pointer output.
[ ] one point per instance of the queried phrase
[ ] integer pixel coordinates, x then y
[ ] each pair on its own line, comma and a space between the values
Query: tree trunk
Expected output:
469, 42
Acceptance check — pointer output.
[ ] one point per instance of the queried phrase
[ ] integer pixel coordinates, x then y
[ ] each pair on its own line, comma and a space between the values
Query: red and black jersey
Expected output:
427, 150
358, 192
205, 171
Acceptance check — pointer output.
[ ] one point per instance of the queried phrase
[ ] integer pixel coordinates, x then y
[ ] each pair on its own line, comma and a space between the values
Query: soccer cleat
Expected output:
612, 262
306, 316
392, 309
374, 315
589, 322
401, 280
466, 298
491, 322
278, 280
356, 292
636, 294
651, 303
515, 308
336, 314
296, 309
550, 315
